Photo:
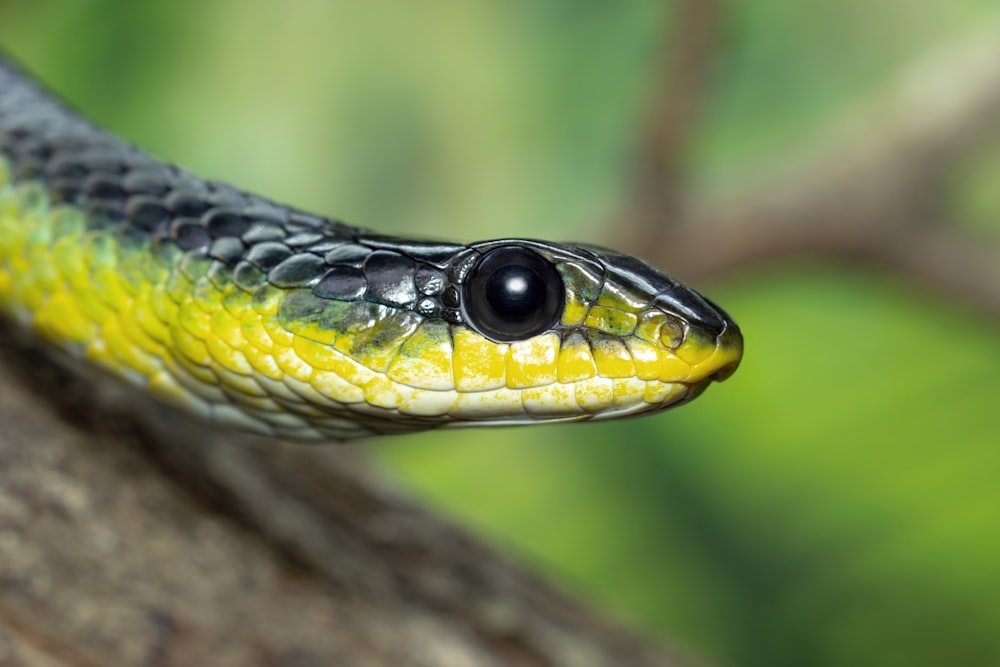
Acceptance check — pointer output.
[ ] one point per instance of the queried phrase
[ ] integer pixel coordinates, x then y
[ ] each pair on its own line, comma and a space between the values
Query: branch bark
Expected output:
133, 535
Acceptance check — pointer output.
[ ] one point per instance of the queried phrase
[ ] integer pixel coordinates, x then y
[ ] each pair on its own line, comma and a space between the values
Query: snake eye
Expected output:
512, 293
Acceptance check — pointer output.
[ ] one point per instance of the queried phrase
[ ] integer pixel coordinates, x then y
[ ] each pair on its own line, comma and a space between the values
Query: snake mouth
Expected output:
728, 352
713, 357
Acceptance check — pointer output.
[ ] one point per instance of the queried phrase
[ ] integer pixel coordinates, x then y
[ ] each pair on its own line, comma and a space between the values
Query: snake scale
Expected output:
296, 325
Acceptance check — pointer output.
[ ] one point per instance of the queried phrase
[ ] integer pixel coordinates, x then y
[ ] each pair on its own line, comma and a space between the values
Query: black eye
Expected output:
511, 294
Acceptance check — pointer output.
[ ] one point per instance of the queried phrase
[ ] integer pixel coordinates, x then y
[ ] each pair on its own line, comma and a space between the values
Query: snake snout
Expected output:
729, 351
712, 343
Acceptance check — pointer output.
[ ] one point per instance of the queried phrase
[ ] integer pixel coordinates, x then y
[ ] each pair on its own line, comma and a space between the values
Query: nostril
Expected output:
671, 333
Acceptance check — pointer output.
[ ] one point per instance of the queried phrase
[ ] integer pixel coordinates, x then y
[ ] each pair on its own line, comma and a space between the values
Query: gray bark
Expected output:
134, 535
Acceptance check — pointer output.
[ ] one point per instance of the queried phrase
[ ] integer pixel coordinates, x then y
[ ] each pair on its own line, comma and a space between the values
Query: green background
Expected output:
836, 503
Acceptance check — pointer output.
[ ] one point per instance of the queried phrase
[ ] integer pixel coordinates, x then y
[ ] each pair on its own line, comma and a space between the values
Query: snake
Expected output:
279, 321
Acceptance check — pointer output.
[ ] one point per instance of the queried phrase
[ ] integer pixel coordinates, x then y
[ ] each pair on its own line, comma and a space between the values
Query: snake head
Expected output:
591, 333
503, 332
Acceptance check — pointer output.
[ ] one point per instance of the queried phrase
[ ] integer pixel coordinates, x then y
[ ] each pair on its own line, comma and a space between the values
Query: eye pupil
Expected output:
512, 293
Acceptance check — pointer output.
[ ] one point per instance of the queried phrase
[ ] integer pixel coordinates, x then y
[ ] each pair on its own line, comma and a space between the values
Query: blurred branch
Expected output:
684, 59
876, 194
134, 535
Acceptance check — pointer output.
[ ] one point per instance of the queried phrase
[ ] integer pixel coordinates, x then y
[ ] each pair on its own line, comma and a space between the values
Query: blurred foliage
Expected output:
836, 503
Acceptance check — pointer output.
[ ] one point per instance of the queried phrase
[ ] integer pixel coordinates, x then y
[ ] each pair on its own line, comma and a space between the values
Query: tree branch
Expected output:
684, 60
247, 552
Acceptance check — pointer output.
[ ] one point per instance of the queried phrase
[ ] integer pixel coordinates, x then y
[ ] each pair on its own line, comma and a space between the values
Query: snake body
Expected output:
297, 325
